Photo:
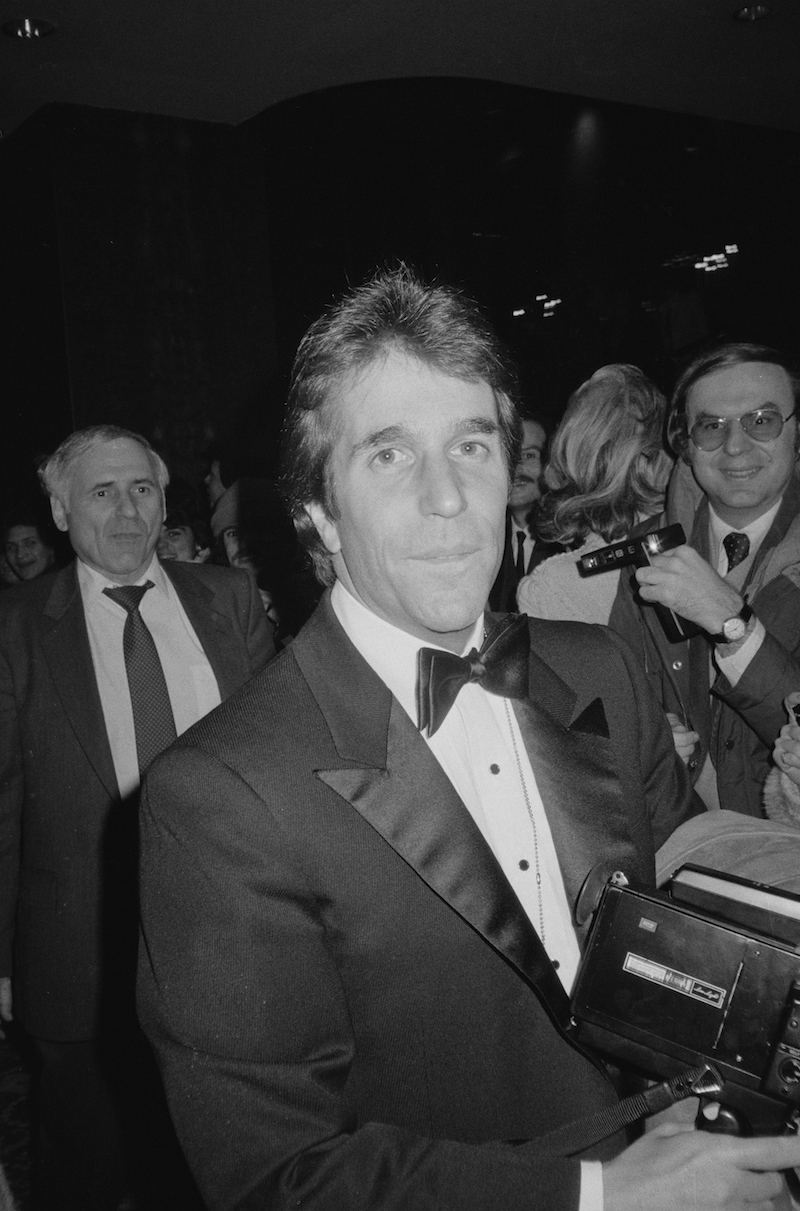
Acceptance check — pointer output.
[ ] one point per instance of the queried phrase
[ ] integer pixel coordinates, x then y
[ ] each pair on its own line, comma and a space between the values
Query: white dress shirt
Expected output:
480, 748
191, 684
528, 547
733, 664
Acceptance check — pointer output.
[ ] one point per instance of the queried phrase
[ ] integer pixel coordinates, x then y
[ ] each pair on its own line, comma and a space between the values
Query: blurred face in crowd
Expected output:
177, 542
743, 478
230, 540
419, 487
214, 485
26, 554
526, 483
113, 509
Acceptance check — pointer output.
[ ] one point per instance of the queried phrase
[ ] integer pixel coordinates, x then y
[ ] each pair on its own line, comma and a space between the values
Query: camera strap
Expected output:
577, 1136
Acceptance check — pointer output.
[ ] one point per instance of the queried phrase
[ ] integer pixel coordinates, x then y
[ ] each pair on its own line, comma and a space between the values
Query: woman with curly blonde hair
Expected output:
608, 470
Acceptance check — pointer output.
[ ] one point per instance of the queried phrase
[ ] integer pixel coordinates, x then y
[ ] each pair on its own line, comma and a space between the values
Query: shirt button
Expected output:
524, 864
495, 769
692, 766
729, 744
677, 665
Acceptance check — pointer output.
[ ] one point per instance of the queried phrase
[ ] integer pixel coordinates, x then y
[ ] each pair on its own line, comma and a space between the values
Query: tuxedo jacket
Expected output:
67, 842
503, 595
345, 996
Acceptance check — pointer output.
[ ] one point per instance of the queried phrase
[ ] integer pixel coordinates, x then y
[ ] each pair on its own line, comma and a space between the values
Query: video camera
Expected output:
639, 552
707, 971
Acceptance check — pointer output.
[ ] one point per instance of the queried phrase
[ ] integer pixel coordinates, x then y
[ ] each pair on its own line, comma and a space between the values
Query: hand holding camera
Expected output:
675, 1168
682, 581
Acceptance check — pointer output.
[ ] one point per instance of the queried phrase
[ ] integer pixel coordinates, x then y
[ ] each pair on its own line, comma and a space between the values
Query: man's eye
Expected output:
387, 457
711, 426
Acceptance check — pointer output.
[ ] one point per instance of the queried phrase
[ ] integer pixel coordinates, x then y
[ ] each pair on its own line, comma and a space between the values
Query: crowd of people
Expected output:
347, 850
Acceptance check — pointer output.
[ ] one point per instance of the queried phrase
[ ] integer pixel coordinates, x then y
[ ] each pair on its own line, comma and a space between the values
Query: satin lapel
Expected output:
212, 625
575, 770
65, 644
414, 807
403, 793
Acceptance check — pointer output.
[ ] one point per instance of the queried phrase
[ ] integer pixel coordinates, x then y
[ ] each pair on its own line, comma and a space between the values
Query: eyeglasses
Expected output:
763, 425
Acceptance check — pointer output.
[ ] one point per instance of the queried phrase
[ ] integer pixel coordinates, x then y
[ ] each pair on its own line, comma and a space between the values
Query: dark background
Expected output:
158, 272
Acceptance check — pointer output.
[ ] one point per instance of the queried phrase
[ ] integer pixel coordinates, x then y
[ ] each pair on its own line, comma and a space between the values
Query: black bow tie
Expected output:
501, 666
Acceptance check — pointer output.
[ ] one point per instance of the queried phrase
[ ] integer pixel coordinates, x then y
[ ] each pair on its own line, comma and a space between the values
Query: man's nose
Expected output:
442, 492
736, 440
128, 505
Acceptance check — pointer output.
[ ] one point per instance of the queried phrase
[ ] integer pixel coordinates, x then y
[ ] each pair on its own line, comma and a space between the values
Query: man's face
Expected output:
26, 554
176, 542
113, 509
526, 485
743, 478
420, 488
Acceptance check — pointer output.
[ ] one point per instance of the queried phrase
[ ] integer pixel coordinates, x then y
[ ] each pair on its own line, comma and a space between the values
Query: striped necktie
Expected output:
153, 721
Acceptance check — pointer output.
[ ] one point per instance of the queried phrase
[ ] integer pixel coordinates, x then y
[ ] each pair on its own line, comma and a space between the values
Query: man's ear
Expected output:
59, 513
324, 527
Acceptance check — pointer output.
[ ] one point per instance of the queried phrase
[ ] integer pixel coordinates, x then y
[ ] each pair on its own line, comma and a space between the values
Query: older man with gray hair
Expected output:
101, 667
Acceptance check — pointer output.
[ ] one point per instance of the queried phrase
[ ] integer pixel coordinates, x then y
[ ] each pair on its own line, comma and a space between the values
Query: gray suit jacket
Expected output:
67, 842
343, 990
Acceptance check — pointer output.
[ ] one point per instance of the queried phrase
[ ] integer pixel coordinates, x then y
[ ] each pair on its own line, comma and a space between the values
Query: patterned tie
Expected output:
501, 667
520, 565
737, 548
153, 721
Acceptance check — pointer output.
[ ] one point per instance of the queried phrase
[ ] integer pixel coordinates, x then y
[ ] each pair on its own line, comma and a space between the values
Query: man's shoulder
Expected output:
570, 642
210, 575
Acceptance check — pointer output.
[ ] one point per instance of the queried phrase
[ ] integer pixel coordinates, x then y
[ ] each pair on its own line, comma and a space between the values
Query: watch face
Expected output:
734, 629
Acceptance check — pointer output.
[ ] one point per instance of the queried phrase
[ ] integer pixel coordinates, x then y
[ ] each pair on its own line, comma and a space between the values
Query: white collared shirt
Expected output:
192, 686
480, 735
481, 749
734, 664
528, 546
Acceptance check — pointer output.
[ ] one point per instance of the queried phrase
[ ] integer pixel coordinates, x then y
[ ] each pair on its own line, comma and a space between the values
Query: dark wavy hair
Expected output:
436, 324
721, 357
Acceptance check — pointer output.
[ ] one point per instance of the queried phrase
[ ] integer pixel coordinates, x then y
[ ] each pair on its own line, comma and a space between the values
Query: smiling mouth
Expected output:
444, 556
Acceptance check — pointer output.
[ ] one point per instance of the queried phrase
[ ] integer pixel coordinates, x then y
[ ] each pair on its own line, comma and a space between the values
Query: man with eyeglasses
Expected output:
733, 424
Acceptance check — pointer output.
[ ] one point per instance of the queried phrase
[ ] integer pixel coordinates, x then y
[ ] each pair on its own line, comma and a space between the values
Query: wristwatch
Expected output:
734, 629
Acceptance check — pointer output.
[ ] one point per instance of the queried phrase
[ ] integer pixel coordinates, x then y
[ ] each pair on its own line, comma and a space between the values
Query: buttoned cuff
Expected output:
591, 1186
733, 664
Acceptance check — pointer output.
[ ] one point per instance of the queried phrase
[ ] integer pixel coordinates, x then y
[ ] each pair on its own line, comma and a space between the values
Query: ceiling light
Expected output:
752, 12
28, 27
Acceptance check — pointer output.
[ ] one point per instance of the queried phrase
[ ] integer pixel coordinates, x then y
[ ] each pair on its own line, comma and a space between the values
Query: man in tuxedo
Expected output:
75, 736
523, 550
357, 875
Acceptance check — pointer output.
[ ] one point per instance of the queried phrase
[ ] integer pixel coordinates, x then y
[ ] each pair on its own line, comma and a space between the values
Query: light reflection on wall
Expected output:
586, 141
